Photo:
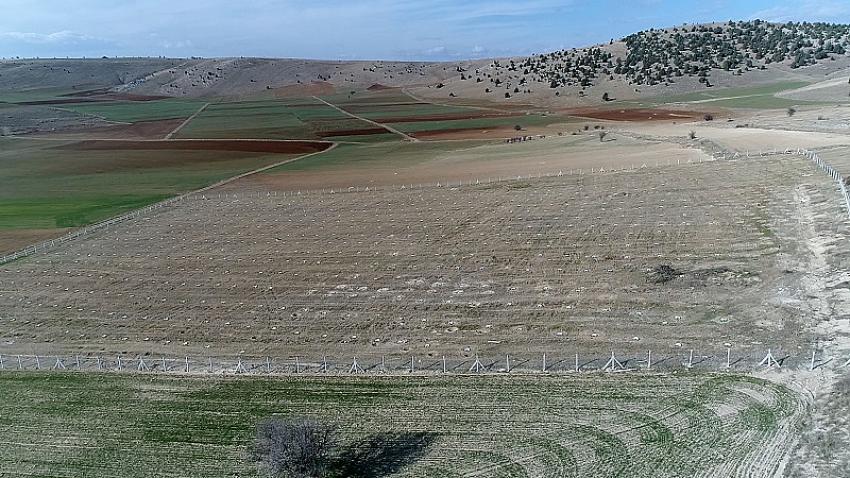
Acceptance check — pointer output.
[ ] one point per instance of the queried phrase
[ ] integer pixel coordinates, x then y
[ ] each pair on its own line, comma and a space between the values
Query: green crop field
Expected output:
382, 112
368, 97
35, 94
756, 97
43, 187
133, 111
108, 425
270, 119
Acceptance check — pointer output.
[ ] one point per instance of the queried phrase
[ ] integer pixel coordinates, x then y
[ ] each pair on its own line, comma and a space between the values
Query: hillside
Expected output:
672, 61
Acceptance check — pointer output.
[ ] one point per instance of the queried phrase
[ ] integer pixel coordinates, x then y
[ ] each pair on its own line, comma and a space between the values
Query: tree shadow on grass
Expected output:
382, 454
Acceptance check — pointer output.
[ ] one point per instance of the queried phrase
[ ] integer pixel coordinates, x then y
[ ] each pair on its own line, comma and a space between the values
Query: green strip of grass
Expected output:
755, 97
48, 213
36, 94
133, 111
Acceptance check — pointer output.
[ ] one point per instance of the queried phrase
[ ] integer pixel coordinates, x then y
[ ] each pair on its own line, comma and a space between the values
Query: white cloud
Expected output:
176, 44
437, 50
62, 37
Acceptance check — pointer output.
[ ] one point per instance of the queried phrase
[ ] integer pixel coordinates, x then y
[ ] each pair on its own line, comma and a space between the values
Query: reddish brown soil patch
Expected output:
139, 130
248, 146
353, 132
445, 117
85, 93
314, 88
635, 114
63, 101
133, 97
145, 129
103, 94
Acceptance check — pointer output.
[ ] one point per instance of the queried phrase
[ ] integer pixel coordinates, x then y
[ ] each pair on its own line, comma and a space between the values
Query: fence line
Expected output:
833, 173
201, 194
727, 360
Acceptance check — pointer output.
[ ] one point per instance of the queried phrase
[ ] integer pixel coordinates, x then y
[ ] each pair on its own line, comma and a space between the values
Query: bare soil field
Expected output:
524, 267
466, 160
15, 239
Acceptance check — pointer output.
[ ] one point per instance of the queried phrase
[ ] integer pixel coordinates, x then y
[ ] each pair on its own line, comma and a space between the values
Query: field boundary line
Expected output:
380, 125
186, 121
85, 230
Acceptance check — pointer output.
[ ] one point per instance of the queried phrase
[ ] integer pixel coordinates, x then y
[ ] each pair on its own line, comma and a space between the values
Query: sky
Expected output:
425, 30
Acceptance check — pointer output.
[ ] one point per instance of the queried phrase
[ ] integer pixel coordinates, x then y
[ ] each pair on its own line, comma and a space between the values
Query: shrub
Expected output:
297, 447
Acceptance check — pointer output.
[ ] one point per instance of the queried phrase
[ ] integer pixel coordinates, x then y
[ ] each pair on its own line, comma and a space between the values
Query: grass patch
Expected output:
36, 94
133, 111
45, 187
106, 425
269, 119
755, 97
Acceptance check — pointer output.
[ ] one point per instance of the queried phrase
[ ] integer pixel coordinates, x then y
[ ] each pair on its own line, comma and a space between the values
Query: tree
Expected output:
602, 135
605, 97
518, 127
791, 112
296, 447
692, 134
708, 117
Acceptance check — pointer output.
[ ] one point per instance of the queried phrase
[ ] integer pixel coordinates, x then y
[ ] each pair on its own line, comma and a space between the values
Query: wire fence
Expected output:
723, 360
833, 173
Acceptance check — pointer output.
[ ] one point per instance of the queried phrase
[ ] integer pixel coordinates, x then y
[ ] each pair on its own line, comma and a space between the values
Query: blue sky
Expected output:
377, 29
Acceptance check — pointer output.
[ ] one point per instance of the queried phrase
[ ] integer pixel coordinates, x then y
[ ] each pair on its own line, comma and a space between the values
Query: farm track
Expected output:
380, 125
187, 121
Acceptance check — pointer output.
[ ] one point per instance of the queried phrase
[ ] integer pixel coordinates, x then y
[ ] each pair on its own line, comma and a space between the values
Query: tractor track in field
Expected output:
380, 125
187, 121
